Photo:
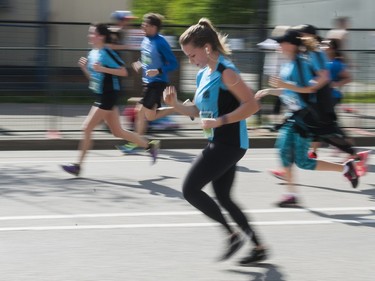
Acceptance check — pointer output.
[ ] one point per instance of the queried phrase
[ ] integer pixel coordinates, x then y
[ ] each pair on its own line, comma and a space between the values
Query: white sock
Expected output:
346, 169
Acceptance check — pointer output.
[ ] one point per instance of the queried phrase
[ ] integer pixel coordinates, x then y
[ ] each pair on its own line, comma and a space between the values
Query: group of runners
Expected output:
223, 101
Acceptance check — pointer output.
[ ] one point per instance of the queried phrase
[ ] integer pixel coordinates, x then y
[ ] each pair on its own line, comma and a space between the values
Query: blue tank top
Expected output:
102, 82
213, 96
299, 74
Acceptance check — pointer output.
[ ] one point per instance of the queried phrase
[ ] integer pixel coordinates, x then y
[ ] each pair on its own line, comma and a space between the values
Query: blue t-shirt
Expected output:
103, 82
214, 97
157, 54
300, 76
318, 60
336, 66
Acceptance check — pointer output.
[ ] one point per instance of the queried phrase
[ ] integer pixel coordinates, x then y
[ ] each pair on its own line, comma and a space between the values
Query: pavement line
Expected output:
182, 213
178, 225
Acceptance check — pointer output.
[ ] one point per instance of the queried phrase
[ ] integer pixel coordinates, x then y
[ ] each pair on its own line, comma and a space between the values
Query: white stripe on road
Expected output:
178, 225
183, 213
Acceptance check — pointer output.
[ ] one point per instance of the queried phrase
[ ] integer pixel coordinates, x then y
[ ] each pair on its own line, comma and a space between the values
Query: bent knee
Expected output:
86, 129
306, 163
187, 193
190, 193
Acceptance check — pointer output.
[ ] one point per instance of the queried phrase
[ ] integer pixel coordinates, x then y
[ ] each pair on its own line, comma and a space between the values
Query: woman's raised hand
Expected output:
170, 95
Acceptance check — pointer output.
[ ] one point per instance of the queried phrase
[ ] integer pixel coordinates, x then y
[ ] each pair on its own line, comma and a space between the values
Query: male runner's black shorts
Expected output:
107, 100
153, 94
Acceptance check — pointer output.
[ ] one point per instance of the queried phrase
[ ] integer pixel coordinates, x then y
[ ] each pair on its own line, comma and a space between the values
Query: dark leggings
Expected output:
216, 164
334, 135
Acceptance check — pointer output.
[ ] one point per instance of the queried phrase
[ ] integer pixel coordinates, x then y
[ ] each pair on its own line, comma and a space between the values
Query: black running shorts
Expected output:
107, 101
153, 94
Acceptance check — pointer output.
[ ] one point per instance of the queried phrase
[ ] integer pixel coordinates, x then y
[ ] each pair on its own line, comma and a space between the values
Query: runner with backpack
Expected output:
297, 87
320, 120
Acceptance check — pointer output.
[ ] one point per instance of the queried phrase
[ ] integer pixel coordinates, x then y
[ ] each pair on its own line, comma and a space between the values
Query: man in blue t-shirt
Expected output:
157, 59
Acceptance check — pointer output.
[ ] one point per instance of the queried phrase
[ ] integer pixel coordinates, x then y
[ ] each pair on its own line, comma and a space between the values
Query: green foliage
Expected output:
232, 12
368, 97
141, 7
187, 12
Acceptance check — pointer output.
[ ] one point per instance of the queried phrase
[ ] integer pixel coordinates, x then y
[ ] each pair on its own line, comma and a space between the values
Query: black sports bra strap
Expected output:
109, 52
221, 67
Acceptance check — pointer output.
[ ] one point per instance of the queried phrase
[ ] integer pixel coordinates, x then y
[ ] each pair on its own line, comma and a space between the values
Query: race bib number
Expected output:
94, 86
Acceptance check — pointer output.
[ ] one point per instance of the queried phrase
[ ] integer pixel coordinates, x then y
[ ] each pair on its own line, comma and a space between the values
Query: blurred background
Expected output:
42, 89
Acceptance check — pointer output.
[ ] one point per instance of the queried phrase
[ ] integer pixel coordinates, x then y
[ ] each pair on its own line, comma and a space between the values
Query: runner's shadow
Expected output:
150, 184
323, 188
169, 155
272, 272
157, 189
246, 170
190, 157
369, 192
5, 132
177, 155
348, 219
371, 168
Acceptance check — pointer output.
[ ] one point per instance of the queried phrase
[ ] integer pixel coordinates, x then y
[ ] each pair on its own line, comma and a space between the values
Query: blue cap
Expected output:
122, 15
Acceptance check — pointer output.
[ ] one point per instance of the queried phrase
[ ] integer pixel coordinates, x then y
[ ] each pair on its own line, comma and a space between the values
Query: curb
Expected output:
166, 143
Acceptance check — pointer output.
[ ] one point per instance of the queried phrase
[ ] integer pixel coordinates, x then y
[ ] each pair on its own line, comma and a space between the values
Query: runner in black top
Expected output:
223, 101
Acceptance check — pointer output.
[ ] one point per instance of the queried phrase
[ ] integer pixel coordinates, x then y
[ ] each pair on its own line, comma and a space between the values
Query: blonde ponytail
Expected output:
204, 33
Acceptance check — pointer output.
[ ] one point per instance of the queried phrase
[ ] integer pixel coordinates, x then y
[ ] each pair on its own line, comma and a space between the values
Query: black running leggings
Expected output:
216, 164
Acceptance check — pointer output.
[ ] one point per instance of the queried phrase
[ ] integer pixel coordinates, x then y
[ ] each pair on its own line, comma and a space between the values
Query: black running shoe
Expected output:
254, 256
289, 201
351, 173
235, 243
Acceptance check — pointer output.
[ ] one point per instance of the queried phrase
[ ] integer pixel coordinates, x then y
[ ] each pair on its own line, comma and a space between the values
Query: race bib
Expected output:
94, 86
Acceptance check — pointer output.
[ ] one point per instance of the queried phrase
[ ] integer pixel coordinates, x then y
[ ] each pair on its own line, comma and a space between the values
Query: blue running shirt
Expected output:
102, 82
336, 66
213, 96
289, 72
157, 54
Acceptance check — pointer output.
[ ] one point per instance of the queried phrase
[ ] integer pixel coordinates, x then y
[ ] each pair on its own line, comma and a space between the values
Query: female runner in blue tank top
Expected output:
294, 84
223, 94
102, 68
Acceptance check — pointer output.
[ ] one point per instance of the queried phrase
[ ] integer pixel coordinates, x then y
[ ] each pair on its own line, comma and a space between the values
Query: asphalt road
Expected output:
125, 219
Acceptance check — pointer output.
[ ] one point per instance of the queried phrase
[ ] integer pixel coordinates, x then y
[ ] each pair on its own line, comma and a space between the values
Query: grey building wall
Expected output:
61, 36
320, 13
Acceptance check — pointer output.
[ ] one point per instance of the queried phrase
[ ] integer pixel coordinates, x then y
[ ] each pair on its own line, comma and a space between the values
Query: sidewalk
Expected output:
23, 129
177, 139
188, 135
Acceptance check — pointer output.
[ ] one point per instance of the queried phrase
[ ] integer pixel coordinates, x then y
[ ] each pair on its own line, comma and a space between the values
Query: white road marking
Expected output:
182, 213
178, 225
